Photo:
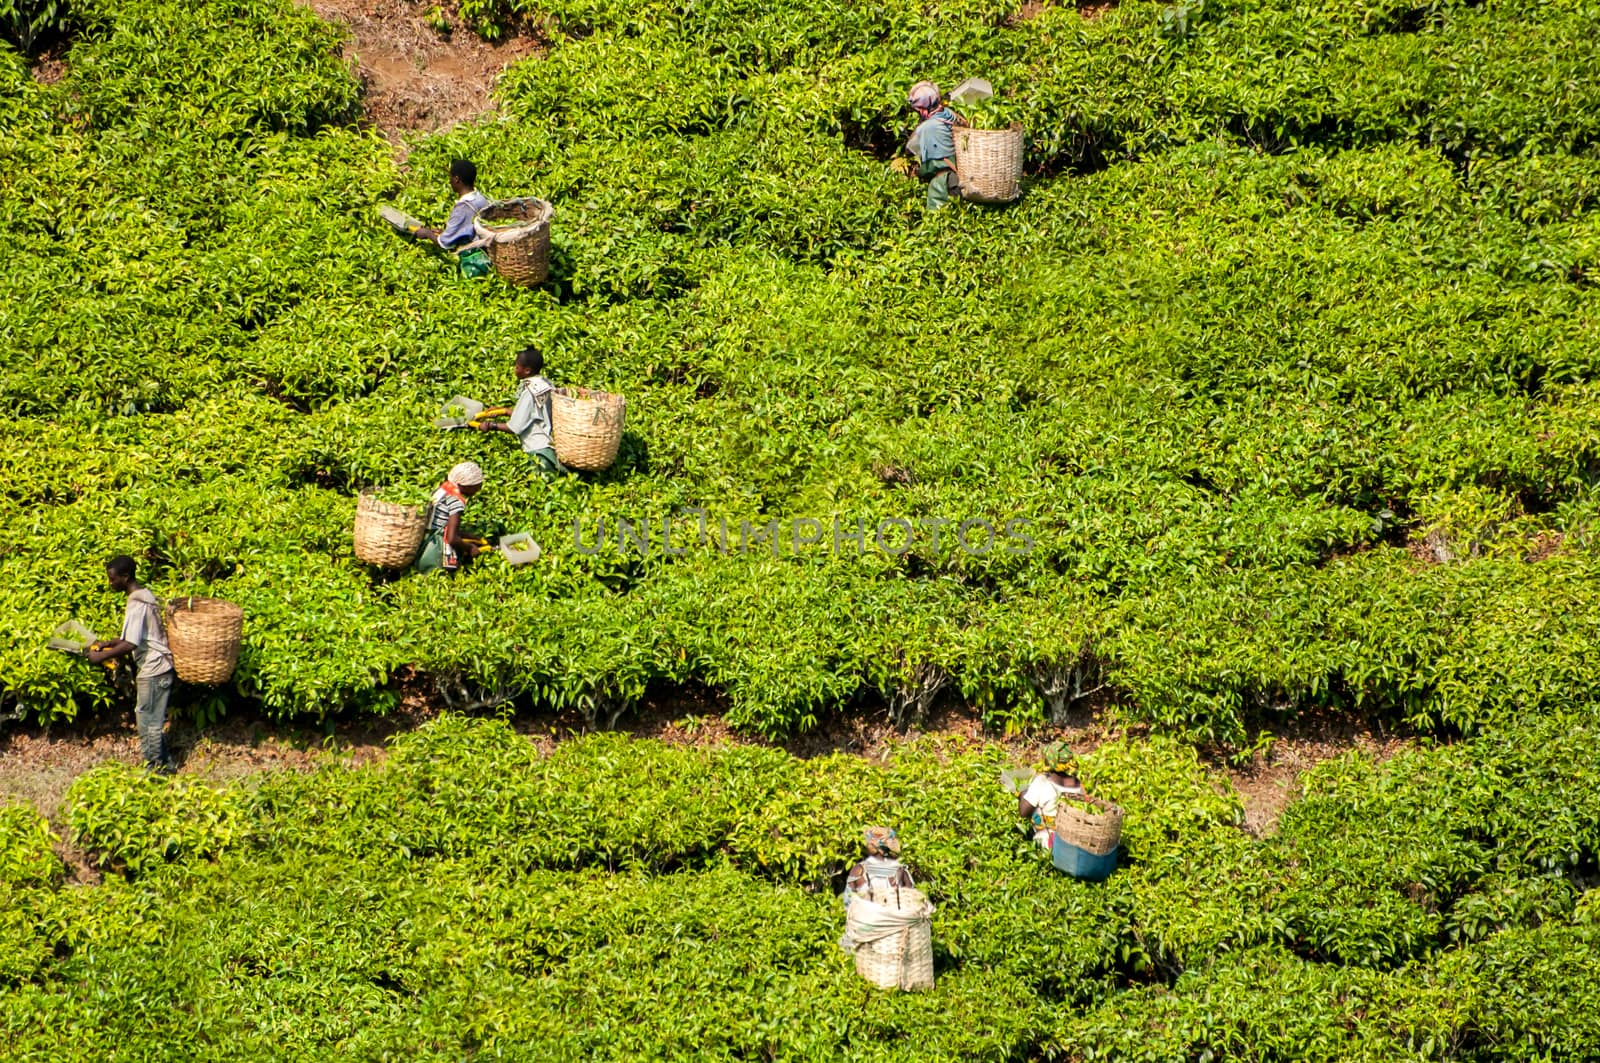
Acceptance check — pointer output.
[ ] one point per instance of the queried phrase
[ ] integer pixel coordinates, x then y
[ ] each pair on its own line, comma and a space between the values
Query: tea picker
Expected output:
530, 419
888, 921
144, 640
445, 544
933, 142
1037, 803
1082, 833
882, 866
458, 233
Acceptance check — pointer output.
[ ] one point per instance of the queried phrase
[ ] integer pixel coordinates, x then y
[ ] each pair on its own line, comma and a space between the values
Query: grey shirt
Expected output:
530, 418
141, 625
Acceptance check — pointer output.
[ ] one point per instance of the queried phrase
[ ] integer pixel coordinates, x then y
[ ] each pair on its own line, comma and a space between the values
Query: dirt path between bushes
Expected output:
38, 764
415, 78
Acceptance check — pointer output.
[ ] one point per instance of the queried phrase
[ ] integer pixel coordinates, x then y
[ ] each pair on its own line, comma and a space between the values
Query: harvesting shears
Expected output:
399, 220
72, 637
462, 412
518, 548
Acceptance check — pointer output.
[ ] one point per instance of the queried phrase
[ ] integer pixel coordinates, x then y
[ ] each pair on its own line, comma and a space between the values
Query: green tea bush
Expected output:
128, 818
1284, 360
27, 856
680, 902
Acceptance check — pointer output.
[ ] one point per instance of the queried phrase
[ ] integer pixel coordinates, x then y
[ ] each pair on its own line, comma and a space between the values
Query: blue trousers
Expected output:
150, 713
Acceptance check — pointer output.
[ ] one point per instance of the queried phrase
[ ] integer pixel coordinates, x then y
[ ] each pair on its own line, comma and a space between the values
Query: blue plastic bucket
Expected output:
1080, 862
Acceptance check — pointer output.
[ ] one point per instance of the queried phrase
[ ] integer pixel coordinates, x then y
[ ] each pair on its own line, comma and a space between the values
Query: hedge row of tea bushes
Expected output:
1330, 296
471, 897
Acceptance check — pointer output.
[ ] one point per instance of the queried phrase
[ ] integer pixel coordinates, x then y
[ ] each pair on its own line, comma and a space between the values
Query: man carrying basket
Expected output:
144, 637
458, 233
530, 417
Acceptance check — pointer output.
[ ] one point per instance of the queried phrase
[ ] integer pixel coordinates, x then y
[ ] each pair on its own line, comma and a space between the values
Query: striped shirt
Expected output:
443, 506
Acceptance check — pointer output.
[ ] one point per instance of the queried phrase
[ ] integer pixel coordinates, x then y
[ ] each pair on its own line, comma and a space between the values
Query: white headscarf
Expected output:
466, 474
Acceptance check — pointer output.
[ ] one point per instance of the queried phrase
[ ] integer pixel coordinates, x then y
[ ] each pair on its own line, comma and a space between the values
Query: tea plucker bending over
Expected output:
446, 545
933, 142
1037, 805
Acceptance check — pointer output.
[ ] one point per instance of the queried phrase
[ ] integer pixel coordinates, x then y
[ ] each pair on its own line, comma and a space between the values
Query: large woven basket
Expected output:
388, 535
903, 960
586, 427
989, 164
520, 250
1094, 832
204, 634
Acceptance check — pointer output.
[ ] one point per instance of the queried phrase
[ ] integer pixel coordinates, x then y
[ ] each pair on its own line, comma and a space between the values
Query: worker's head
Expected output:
1059, 759
881, 841
924, 98
467, 477
120, 572
529, 363
463, 176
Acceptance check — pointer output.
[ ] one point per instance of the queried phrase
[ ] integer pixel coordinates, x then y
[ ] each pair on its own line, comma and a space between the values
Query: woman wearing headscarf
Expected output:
1037, 805
445, 546
933, 142
881, 867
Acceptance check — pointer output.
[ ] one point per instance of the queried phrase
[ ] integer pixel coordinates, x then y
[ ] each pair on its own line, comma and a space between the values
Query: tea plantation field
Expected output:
1278, 390
471, 899
1294, 287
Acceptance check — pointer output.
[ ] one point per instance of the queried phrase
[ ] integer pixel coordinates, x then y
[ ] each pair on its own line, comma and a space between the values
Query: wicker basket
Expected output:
388, 535
989, 164
586, 427
903, 960
519, 251
204, 635
1094, 832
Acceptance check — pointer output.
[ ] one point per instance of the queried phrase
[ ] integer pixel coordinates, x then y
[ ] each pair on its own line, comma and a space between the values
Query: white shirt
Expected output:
1042, 794
141, 625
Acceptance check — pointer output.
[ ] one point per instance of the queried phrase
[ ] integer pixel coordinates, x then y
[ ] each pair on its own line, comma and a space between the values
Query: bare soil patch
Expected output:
1271, 781
50, 67
414, 77
1089, 10
38, 764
